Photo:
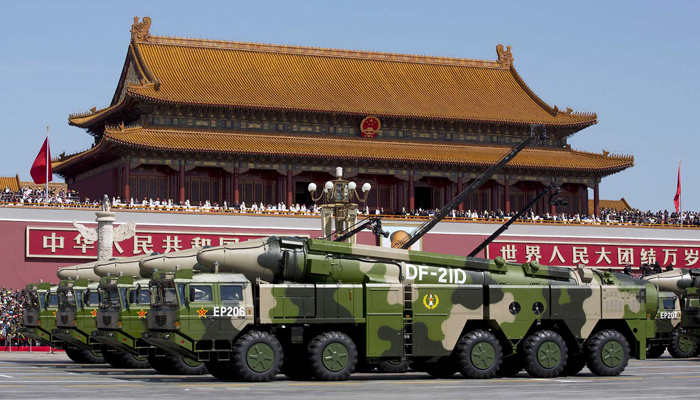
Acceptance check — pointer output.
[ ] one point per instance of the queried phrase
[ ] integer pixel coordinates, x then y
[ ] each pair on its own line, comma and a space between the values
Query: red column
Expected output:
506, 196
125, 176
411, 194
290, 193
596, 198
236, 192
552, 208
182, 184
460, 207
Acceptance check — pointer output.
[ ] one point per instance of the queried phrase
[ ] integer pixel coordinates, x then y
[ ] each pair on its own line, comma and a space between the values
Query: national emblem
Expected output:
370, 126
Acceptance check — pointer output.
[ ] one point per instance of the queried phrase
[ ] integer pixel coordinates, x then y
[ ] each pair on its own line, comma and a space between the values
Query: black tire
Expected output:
363, 366
697, 351
511, 365
445, 367
85, 356
545, 354
160, 364
681, 347
608, 353
479, 355
574, 364
262, 366
655, 351
332, 356
120, 359
394, 367
220, 370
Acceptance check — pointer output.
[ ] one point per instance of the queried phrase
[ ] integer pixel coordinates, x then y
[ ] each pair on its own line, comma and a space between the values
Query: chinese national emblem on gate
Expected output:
370, 126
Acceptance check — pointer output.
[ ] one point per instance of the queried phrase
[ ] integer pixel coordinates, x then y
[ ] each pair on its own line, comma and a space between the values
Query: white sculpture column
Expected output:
105, 234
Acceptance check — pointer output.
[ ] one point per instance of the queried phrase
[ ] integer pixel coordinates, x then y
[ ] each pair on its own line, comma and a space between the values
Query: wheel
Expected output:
511, 365
256, 357
85, 356
120, 359
608, 353
332, 356
681, 347
574, 364
545, 354
220, 369
479, 355
363, 366
160, 364
697, 351
655, 351
394, 366
445, 367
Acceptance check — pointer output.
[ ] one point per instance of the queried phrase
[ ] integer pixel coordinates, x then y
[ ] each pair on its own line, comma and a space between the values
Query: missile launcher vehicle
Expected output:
78, 301
314, 309
684, 283
39, 317
667, 326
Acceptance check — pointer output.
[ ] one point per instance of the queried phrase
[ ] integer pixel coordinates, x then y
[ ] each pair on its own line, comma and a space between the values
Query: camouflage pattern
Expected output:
121, 319
397, 304
39, 318
78, 303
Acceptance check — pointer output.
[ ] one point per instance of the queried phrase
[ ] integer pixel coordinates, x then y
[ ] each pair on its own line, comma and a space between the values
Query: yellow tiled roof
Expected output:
264, 76
617, 205
11, 182
366, 150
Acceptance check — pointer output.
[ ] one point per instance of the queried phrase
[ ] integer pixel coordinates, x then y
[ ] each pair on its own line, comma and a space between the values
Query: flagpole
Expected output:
47, 165
680, 195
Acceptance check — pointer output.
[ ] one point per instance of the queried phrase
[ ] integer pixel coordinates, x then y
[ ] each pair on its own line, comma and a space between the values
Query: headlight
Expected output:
177, 324
75, 323
119, 325
38, 322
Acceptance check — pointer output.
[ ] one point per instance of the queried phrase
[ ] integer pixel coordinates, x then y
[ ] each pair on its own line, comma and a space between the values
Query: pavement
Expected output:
54, 376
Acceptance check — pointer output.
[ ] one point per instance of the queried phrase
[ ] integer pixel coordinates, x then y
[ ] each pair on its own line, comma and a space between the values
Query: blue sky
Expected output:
635, 63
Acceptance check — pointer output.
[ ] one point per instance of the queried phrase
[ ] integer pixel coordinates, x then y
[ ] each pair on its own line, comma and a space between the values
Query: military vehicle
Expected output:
122, 315
78, 301
667, 326
305, 307
685, 284
39, 316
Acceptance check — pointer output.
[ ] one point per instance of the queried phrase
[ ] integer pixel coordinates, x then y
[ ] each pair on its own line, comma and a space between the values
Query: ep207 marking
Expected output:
229, 311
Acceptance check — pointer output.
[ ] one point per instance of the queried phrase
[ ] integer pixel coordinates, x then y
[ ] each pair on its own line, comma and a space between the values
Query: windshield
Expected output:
110, 299
66, 299
692, 302
32, 300
164, 295
53, 300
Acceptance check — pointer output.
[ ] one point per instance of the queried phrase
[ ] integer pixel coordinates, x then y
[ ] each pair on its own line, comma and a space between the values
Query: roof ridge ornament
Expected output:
139, 30
505, 57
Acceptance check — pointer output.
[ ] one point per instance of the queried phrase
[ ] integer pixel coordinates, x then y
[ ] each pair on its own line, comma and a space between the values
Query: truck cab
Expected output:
668, 331
39, 316
690, 320
120, 320
78, 302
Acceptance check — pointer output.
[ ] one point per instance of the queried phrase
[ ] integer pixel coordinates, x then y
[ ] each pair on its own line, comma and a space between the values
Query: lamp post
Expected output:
340, 195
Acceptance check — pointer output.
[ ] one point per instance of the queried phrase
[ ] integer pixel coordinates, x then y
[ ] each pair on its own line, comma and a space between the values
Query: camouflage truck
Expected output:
685, 283
39, 316
121, 320
314, 309
78, 301
667, 324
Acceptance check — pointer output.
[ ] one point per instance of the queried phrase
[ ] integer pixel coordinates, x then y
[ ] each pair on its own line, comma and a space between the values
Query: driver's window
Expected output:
200, 293
231, 293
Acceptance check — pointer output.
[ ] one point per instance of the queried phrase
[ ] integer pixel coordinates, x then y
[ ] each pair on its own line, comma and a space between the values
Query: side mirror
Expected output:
86, 297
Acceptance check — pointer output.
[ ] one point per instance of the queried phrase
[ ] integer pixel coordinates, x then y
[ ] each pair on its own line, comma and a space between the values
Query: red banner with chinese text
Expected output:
46, 242
596, 255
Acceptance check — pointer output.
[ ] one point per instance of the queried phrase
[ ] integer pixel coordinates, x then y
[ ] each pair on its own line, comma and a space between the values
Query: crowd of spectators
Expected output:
30, 196
607, 216
11, 306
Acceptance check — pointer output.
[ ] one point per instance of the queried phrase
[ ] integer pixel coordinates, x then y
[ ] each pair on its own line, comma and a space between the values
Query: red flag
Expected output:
39, 167
677, 198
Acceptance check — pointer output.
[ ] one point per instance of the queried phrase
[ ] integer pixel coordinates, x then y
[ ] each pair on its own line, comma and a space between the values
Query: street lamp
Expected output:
340, 195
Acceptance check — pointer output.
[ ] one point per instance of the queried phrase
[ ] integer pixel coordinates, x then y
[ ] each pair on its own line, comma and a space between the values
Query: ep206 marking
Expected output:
229, 311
